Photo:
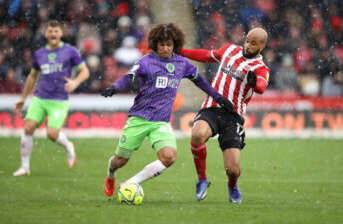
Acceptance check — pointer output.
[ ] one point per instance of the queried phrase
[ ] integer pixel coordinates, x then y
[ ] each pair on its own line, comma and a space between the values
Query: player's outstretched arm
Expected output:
82, 76
121, 85
201, 55
200, 82
28, 88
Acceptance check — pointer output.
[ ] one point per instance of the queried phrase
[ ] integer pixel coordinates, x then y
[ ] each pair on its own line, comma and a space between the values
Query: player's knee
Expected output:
199, 136
52, 135
167, 157
29, 129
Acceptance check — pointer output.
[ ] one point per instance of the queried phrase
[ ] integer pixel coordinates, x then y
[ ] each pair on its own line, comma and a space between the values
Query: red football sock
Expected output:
199, 156
232, 181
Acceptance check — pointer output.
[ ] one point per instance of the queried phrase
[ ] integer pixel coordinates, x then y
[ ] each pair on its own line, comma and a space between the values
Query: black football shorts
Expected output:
229, 126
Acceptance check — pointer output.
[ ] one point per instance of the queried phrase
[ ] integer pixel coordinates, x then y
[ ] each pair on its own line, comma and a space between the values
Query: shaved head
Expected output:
255, 42
258, 34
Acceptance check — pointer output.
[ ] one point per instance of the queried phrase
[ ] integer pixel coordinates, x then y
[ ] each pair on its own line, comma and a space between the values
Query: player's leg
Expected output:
35, 115
132, 137
203, 128
233, 171
114, 163
57, 113
231, 140
56, 135
163, 141
166, 157
201, 131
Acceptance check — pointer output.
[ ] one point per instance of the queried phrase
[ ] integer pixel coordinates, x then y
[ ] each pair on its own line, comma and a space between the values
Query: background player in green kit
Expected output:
156, 77
50, 76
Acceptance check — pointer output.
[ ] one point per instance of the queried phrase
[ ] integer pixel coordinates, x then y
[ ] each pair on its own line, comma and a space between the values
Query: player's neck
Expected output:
54, 46
163, 58
252, 56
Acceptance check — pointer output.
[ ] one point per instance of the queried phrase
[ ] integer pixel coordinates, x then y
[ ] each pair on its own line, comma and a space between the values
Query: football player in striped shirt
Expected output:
241, 73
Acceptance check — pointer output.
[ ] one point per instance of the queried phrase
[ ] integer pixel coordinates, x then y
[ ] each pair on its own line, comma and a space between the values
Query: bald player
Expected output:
241, 73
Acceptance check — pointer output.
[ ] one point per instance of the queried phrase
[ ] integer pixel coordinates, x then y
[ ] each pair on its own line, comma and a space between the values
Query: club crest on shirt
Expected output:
170, 67
52, 57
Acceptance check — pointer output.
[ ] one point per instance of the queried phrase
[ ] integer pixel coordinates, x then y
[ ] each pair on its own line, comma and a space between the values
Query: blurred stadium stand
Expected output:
305, 48
304, 52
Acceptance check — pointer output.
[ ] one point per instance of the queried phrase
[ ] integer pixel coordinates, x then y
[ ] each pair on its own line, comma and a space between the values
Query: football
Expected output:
130, 194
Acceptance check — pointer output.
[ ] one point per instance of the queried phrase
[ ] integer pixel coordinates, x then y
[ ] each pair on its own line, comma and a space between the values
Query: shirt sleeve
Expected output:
191, 72
262, 79
35, 64
204, 55
138, 69
218, 53
132, 79
76, 59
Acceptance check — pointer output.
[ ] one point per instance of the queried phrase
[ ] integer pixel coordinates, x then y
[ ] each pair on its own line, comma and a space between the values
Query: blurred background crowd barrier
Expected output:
304, 52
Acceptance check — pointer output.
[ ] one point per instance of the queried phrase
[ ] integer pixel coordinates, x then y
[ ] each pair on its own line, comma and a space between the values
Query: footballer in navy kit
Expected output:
156, 77
51, 77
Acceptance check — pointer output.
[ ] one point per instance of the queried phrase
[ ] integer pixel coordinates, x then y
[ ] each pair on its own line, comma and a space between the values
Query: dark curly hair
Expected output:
164, 32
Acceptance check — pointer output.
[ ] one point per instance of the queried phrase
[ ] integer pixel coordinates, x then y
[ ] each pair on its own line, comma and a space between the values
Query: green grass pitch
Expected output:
283, 181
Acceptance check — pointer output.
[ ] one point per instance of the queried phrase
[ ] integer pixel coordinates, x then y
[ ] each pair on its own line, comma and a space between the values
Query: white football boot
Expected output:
21, 172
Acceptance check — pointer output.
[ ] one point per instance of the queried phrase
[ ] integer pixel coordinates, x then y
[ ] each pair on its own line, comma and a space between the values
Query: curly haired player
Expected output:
156, 77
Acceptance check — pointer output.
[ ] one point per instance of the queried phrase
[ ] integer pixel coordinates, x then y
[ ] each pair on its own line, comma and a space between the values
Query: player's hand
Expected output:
225, 103
18, 106
71, 85
108, 92
251, 79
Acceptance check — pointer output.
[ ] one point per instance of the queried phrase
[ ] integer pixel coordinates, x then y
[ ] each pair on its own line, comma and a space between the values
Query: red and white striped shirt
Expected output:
231, 77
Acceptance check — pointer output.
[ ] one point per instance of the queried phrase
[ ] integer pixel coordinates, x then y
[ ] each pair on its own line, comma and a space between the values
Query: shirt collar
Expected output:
59, 46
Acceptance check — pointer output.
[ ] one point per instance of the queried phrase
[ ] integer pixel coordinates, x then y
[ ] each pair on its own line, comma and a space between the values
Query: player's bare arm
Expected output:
83, 75
28, 88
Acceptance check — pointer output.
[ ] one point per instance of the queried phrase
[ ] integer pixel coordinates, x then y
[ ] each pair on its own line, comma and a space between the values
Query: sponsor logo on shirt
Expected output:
161, 82
164, 82
230, 70
51, 68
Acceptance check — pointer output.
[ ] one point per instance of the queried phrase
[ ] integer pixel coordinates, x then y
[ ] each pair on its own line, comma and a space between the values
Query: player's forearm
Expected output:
261, 85
201, 55
123, 84
206, 87
28, 86
82, 76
